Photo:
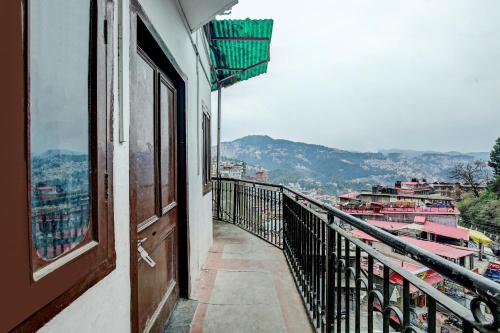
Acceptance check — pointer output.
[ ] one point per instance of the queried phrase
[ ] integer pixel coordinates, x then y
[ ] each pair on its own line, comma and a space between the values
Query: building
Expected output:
261, 176
454, 190
403, 199
233, 170
107, 191
120, 96
445, 216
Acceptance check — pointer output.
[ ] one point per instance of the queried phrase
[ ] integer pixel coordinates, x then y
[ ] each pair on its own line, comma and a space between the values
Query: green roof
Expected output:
239, 50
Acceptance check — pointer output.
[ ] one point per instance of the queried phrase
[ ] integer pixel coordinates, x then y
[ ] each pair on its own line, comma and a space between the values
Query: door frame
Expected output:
139, 20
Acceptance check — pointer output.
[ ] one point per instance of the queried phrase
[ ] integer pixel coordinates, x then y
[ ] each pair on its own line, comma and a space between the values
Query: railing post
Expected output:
329, 278
235, 200
218, 194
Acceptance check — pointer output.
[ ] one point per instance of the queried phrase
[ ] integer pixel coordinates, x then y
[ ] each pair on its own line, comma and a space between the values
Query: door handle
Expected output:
145, 255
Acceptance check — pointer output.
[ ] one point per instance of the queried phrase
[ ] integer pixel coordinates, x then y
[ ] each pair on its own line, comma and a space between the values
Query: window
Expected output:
59, 128
59, 166
207, 151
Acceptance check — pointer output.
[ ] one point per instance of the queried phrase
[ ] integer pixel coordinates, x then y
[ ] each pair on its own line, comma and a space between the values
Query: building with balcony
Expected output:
114, 224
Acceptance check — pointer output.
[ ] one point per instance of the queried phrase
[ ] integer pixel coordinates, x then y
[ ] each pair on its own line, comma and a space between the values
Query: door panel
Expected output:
167, 138
153, 192
142, 143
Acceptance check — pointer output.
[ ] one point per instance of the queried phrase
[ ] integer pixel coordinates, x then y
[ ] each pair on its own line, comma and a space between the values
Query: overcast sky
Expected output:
367, 75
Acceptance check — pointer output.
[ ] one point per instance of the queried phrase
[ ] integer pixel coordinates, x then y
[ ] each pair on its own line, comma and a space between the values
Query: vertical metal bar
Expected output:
357, 327
222, 202
370, 288
431, 314
259, 211
219, 97
406, 303
317, 294
252, 209
329, 277
235, 199
274, 217
309, 260
386, 314
218, 198
219, 111
323, 273
334, 272
264, 215
302, 253
338, 314
347, 288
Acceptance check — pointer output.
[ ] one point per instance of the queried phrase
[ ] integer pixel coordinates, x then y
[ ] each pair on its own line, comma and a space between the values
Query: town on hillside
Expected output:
421, 213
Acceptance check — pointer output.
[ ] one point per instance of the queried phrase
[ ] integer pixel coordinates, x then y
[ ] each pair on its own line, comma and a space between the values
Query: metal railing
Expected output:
348, 285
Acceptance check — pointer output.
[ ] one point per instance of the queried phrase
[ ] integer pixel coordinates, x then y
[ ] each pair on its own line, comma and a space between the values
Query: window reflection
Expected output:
59, 124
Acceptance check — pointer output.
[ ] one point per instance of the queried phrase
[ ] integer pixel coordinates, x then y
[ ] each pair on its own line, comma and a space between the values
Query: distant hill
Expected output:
333, 170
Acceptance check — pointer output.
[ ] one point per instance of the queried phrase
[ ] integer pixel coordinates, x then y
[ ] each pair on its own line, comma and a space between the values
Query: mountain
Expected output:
334, 170
480, 155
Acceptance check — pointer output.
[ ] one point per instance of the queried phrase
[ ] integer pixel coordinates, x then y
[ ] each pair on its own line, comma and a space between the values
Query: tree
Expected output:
495, 158
470, 174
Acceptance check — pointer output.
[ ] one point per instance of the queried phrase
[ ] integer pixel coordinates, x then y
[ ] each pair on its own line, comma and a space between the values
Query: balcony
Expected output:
266, 236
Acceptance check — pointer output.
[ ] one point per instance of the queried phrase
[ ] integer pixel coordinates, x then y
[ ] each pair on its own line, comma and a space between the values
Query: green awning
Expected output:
239, 50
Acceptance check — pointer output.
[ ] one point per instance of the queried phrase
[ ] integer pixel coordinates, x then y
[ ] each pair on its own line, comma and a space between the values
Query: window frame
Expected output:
206, 129
45, 295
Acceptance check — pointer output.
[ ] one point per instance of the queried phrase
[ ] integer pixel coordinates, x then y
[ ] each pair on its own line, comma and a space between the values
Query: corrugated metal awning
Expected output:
239, 50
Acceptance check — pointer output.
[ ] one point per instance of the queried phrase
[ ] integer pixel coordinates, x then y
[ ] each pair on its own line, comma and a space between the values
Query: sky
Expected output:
366, 75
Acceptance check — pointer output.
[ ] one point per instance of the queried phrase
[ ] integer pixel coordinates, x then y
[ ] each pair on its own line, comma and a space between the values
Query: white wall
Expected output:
106, 306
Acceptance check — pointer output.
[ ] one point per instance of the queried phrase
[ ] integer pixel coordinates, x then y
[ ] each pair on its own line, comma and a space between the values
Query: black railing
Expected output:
348, 285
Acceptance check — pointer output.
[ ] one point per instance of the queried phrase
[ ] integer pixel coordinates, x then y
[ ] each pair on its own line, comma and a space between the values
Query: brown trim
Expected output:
38, 263
139, 20
41, 317
206, 123
15, 142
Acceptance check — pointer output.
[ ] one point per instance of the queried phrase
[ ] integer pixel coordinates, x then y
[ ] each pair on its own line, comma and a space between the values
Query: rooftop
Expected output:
447, 251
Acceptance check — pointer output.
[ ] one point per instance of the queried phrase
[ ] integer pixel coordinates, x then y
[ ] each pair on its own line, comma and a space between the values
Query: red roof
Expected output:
390, 210
429, 276
446, 230
452, 252
387, 225
363, 235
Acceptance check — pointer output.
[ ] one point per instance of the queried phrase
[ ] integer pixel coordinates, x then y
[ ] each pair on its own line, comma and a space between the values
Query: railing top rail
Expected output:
487, 289
413, 279
246, 181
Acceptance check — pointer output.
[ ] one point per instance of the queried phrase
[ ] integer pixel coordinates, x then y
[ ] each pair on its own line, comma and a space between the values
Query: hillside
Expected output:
333, 170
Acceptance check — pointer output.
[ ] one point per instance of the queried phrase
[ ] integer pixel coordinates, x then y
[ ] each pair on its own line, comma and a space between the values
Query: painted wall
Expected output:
106, 306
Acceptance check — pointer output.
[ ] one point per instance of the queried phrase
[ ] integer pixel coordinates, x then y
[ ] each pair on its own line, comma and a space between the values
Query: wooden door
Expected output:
153, 193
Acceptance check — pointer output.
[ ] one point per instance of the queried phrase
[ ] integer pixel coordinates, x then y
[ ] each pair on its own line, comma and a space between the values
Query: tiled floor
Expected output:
246, 286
